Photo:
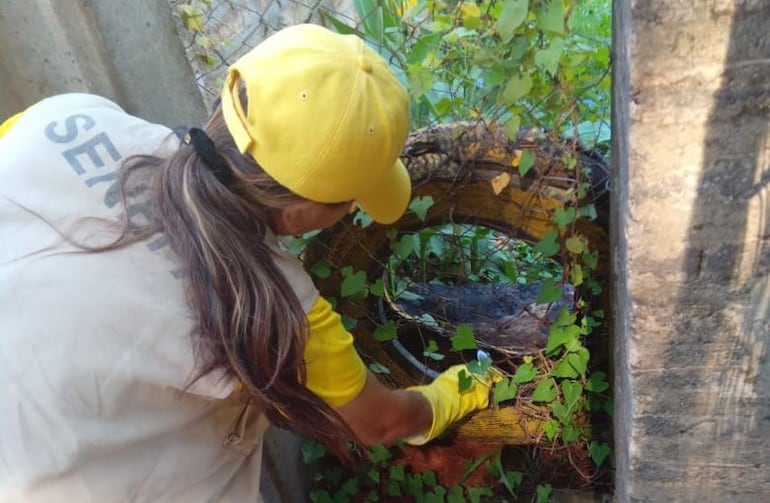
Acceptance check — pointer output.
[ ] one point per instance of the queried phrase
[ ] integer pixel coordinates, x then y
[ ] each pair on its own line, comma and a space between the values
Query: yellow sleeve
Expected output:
5, 126
335, 371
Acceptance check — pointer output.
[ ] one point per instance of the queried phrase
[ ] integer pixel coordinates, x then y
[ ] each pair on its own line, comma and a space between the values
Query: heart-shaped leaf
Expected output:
548, 245
504, 390
545, 391
525, 373
386, 332
463, 339
353, 284
599, 452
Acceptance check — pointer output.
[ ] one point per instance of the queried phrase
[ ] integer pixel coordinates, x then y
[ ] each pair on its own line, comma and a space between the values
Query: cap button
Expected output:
365, 64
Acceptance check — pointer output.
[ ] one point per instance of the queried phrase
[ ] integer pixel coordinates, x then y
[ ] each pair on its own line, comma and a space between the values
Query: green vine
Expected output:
541, 63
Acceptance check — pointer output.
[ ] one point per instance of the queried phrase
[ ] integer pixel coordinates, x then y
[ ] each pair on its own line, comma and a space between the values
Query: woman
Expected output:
151, 322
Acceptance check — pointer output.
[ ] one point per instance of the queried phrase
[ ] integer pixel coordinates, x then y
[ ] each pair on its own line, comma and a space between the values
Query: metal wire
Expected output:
230, 28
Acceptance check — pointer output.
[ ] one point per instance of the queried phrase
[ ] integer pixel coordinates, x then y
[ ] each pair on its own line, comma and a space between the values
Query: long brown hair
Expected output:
249, 321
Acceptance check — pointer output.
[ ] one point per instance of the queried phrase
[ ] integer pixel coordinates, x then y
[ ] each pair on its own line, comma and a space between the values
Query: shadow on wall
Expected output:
717, 366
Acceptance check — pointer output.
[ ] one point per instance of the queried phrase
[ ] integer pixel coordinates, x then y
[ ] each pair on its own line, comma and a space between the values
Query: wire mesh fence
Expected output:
216, 32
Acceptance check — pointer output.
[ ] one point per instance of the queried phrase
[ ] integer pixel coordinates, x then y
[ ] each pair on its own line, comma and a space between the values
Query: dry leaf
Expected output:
516, 159
500, 182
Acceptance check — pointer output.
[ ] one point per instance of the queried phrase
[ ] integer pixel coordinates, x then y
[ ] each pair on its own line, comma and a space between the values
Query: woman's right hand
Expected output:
448, 403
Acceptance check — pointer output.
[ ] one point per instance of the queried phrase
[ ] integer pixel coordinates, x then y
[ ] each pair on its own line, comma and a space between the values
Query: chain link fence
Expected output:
216, 32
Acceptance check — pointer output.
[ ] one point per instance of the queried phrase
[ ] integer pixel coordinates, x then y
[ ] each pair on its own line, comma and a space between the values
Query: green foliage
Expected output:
542, 63
463, 339
458, 253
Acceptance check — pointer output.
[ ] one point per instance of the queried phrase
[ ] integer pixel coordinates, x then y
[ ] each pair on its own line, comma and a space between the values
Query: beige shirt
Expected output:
95, 349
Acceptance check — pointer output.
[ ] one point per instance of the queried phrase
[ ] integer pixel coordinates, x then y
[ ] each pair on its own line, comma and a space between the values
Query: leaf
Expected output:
312, 451
511, 127
464, 381
321, 496
471, 15
379, 368
463, 339
565, 317
545, 391
500, 182
588, 211
548, 59
350, 487
207, 59
349, 323
405, 246
560, 336
340, 26
549, 292
599, 452
397, 473
504, 390
551, 428
353, 284
544, 491
386, 332
564, 369
438, 495
576, 244
513, 14
424, 45
576, 275
560, 412
511, 480
475, 493
420, 79
573, 365
379, 453
431, 351
204, 42
517, 88
480, 367
322, 269
192, 18
597, 382
420, 206
572, 392
528, 159
378, 288
548, 245
456, 495
525, 373
552, 18
564, 217
371, 15
570, 433
591, 259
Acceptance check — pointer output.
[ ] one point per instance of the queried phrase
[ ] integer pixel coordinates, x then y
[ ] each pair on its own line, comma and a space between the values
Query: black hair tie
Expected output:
205, 148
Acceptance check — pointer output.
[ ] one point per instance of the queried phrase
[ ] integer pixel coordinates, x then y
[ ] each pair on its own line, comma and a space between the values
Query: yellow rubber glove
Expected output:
447, 403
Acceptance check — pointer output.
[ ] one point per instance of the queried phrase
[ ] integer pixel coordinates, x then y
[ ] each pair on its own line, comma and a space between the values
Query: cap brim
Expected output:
389, 200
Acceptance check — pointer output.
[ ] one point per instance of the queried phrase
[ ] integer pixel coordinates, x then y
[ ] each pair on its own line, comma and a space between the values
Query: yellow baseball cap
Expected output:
326, 118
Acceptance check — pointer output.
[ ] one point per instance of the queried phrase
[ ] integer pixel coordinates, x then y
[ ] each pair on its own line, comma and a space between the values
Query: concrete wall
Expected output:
691, 250
128, 51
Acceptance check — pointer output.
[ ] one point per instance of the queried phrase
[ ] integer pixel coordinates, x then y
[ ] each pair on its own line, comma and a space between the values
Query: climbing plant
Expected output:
540, 64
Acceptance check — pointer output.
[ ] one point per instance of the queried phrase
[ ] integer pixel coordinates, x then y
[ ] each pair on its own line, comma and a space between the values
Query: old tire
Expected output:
455, 164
